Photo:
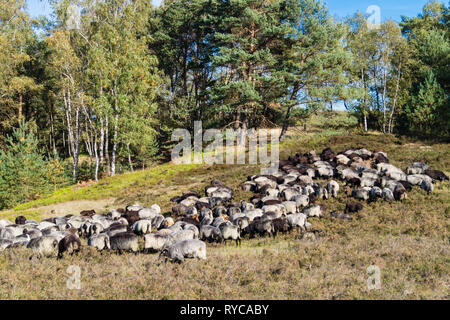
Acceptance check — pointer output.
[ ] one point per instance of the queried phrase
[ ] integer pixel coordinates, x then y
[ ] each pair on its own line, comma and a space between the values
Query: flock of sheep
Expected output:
283, 201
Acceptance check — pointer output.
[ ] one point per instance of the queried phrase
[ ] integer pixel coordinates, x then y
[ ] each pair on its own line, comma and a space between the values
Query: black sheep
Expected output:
353, 207
436, 175
21, 220
70, 244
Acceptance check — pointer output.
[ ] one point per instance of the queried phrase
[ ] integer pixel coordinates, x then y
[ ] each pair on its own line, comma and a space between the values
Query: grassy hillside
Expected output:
408, 241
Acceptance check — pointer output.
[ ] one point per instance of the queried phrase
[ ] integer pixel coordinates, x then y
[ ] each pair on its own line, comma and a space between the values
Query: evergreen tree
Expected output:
24, 174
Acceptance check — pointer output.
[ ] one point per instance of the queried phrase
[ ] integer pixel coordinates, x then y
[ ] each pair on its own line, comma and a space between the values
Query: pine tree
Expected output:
24, 174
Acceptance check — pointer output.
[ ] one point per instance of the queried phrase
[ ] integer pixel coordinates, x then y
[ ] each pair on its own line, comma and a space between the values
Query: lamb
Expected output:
70, 244
185, 249
231, 232
44, 246
210, 234
100, 242
333, 188
353, 207
125, 242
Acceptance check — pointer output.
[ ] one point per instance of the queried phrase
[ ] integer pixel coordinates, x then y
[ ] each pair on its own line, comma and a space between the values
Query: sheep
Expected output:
4, 244
182, 235
314, 211
279, 209
260, 227
70, 244
333, 188
231, 232
5, 223
242, 223
362, 194
155, 242
251, 215
185, 249
115, 229
248, 186
142, 227
376, 193
193, 228
427, 186
157, 221
400, 192
301, 201
44, 246
114, 214
297, 220
87, 213
341, 216
179, 209
33, 233
291, 206
99, 241
388, 194
125, 242
280, 225
45, 224
147, 213
167, 223
353, 207
20, 220
436, 175
210, 234
408, 186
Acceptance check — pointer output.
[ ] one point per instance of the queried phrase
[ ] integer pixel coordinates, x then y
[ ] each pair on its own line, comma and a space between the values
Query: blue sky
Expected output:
390, 9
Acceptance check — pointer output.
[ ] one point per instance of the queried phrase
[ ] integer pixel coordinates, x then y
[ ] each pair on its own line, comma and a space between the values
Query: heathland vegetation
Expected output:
97, 88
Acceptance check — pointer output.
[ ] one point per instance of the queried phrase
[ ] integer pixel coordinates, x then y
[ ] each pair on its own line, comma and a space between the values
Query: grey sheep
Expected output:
44, 246
100, 242
185, 249
231, 232
155, 242
125, 242
333, 188
210, 233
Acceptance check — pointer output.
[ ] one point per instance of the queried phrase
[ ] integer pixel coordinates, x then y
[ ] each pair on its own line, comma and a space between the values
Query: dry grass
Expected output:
408, 241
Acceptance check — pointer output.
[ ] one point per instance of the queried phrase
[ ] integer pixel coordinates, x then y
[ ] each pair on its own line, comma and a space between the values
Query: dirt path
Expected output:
75, 207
